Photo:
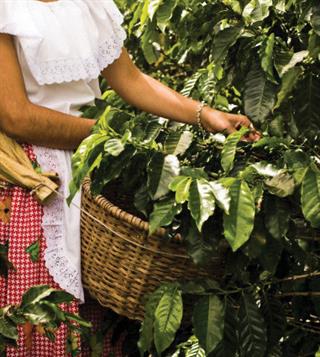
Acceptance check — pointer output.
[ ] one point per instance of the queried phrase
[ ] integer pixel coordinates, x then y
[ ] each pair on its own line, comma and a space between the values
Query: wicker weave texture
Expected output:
121, 263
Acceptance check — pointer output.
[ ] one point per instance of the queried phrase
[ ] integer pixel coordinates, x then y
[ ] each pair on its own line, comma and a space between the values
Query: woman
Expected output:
51, 54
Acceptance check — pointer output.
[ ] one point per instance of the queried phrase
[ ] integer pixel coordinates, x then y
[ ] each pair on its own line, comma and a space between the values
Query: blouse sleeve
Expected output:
14, 17
65, 40
109, 21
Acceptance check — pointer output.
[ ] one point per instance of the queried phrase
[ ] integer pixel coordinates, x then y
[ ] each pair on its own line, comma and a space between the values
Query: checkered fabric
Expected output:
23, 229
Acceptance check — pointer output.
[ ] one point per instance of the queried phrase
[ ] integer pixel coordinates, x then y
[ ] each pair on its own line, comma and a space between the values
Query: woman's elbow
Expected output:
14, 120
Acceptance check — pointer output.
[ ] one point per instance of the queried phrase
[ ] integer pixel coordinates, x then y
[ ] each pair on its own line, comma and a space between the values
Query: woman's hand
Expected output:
216, 121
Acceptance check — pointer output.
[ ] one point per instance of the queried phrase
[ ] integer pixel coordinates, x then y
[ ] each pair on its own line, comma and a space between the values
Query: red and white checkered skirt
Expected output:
21, 230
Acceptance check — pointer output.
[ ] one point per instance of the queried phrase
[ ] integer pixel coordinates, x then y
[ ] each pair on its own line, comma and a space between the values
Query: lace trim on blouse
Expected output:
60, 267
73, 69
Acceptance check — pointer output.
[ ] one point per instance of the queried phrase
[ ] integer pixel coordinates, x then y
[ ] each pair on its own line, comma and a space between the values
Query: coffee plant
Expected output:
256, 204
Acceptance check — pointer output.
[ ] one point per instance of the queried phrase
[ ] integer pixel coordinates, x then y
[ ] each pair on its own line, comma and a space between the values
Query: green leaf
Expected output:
168, 316
8, 329
298, 162
38, 314
136, 16
266, 56
265, 169
191, 83
315, 19
142, 199
200, 286
259, 95
144, 16
275, 319
5, 264
58, 313
153, 7
271, 143
208, 321
310, 197
201, 201
277, 214
296, 58
229, 149
162, 169
314, 45
194, 172
289, 80
195, 351
238, 225
199, 249
148, 41
252, 331
181, 186
59, 297
78, 319
282, 185
110, 169
277, 125
307, 115
178, 142
221, 195
146, 330
282, 56
152, 130
190, 348
113, 147
33, 250
229, 344
87, 157
165, 13
163, 213
36, 294
223, 40
271, 254
16, 316
256, 10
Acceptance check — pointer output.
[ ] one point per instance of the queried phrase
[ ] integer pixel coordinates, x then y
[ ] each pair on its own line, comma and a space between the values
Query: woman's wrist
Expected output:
199, 110
205, 117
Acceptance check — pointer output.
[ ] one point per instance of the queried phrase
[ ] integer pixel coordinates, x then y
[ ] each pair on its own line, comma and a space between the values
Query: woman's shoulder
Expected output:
14, 18
65, 40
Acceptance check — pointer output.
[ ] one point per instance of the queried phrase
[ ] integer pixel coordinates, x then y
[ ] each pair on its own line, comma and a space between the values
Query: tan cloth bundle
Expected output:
17, 169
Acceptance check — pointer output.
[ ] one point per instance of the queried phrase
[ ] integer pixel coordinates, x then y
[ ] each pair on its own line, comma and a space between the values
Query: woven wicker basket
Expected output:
121, 263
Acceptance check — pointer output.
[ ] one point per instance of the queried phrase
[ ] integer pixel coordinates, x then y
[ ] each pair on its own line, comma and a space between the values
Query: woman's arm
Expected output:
26, 122
152, 96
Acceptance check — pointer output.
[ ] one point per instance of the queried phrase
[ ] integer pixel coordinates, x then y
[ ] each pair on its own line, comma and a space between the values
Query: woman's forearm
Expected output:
148, 94
152, 96
45, 127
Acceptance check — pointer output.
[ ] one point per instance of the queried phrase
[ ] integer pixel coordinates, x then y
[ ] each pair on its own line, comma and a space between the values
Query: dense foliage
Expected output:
258, 203
40, 308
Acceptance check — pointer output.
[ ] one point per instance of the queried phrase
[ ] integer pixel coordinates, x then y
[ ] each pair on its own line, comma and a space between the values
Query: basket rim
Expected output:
118, 212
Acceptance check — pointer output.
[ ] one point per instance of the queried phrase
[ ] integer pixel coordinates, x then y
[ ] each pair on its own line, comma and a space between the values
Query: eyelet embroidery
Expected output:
74, 69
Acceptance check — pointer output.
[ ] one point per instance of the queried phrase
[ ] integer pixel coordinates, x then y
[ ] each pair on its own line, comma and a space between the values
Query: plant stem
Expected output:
299, 293
299, 277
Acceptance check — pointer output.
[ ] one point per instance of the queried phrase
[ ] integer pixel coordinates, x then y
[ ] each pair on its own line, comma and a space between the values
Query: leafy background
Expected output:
257, 203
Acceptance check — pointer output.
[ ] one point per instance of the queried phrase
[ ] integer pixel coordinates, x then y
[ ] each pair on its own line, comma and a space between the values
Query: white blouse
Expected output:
62, 47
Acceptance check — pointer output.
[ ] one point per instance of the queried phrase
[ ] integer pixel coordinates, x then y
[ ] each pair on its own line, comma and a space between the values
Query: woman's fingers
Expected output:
229, 129
242, 120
